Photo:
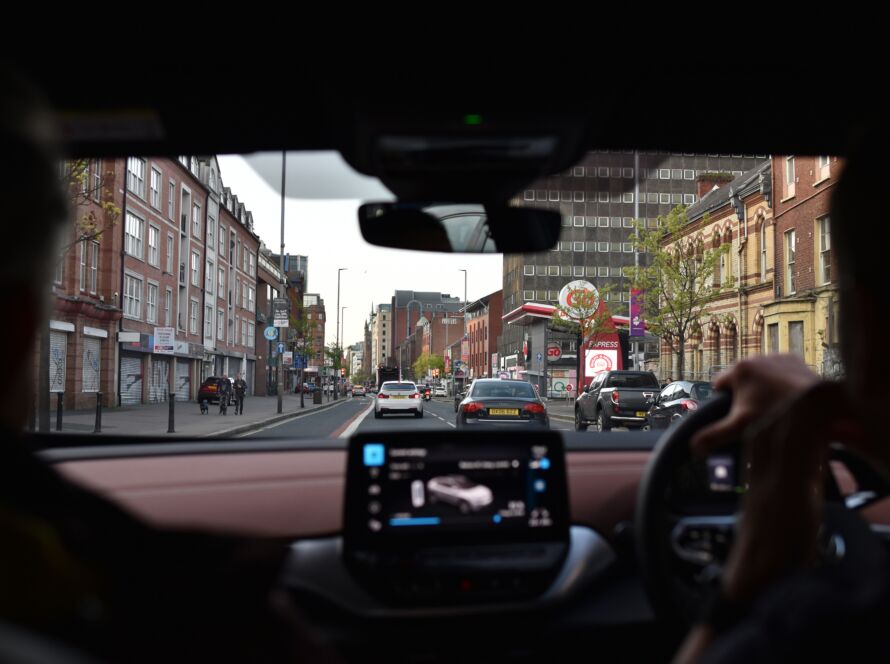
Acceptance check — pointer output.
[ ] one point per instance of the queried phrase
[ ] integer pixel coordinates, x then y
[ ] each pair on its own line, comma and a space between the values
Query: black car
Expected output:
209, 390
676, 400
494, 401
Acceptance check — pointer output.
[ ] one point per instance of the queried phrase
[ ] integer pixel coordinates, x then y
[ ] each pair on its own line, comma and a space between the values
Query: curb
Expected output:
284, 417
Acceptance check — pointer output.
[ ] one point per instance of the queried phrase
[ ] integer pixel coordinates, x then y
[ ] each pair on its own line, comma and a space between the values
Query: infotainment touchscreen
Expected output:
430, 488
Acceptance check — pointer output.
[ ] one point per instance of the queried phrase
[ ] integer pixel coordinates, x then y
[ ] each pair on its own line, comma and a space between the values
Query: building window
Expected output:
823, 237
627, 197
553, 270
554, 196
602, 222
193, 317
676, 199
664, 174
151, 304
251, 298
154, 246
196, 220
528, 295
211, 232
222, 241
208, 322
790, 250
664, 199
688, 174
823, 164
790, 178
688, 199
528, 270
251, 334
196, 258
627, 222
133, 239
155, 188
603, 246
221, 282
208, 277
528, 195
252, 265
136, 176
578, 221
169, 254
168, 306
763, 252
132, 297
602, 271
578, 246
795, 338
171, 197
220, 324
772, 338
82, 260
602, 196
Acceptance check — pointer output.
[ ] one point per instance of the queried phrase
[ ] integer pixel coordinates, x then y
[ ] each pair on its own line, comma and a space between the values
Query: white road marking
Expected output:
288, 420
352, 427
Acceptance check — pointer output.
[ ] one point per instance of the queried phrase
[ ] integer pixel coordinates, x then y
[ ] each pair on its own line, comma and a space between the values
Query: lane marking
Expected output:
296, 416
349, 428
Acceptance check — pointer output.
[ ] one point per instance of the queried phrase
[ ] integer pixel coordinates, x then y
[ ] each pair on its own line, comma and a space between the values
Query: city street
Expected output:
357, 415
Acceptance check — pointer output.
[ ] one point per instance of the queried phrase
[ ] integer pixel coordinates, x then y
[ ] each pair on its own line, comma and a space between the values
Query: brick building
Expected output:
484, 325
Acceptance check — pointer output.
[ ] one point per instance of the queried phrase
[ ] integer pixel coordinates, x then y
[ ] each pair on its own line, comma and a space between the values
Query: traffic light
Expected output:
435, 373
342, 371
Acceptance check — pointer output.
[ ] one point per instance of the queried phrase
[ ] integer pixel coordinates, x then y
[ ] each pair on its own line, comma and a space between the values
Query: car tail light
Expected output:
415, 395
474, 407
688, 404
536, 408
615, 398
381, 395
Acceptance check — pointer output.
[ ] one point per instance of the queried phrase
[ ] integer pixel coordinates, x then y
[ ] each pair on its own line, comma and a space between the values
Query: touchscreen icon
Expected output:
417, 497
374, 454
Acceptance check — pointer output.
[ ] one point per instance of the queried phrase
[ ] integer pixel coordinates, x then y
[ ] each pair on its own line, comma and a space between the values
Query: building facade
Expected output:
269, 280
484, 326
381, 327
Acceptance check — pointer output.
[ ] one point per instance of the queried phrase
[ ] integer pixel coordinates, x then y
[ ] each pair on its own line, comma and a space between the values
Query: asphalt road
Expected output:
357, 414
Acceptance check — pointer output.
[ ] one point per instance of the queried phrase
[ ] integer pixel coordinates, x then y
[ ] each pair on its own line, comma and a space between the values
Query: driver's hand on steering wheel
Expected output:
785, 417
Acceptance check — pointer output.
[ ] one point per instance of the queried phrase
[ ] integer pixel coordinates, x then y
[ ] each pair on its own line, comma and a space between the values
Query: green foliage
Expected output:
335, 354
678, 282
90, 200
426, 363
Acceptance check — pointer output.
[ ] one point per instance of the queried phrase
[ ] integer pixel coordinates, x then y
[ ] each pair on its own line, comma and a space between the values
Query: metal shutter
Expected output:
92, 357
159, 381
183, 380
131, 379
58, 351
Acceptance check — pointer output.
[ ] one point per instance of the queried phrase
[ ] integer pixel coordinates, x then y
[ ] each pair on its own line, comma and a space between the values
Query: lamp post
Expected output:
283, 279
339, 270
465, 324
342, 336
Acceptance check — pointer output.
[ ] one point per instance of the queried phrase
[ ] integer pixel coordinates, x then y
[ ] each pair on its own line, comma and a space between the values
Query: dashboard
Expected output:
419, 547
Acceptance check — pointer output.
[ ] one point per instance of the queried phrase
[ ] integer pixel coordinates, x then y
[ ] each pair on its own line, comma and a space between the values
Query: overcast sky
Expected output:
321, 222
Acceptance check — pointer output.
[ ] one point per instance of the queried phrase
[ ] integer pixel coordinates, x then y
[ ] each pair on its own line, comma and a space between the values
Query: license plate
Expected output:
641, 413
503, 411
399, 396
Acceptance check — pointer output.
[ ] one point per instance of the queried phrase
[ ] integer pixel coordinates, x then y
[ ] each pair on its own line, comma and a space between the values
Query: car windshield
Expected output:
701, 392
177, 269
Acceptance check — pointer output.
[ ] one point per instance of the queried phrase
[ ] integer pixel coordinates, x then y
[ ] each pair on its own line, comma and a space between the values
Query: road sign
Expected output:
539, 357
280, 347
570, 387
271, 333
554, 352
287, 358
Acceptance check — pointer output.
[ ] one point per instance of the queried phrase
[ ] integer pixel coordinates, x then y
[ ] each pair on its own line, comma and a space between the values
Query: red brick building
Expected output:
484, 325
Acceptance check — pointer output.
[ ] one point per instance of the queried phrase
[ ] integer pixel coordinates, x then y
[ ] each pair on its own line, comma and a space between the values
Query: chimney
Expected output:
709, 181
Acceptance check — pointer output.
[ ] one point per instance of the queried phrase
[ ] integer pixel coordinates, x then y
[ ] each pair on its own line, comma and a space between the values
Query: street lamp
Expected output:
339, 270
465, 322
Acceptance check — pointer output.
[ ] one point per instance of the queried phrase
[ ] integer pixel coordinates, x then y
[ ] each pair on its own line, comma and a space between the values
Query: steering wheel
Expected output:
684, 527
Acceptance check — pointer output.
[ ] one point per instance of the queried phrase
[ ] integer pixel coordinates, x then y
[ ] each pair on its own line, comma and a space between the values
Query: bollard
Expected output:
98, 427
171, 400
59, 411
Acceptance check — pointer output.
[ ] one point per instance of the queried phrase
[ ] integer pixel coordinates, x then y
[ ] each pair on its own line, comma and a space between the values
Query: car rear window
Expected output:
400, 386
702, 392
498, 389
632, 380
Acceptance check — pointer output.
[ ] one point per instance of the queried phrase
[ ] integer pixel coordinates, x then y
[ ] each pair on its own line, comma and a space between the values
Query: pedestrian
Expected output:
240, 390
225, 394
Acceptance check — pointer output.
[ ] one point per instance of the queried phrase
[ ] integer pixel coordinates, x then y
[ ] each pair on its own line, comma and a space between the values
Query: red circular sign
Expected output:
554, 352
570, 387
599, 363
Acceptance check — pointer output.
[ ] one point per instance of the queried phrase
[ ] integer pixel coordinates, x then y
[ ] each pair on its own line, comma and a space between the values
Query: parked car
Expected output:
440, 391
398, 397
460, 491
309, 388
676, 400
493, 401
209, 390
616, 398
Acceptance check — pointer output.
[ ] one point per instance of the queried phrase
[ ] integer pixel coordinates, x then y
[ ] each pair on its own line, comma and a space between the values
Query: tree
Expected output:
426, 363
300, 336
679, 281
91, 199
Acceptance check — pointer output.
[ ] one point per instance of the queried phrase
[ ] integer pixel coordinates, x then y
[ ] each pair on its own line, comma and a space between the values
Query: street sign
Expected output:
451, 321
271, 333
539, 357
570, 387
287, 358
554, 352
280, 347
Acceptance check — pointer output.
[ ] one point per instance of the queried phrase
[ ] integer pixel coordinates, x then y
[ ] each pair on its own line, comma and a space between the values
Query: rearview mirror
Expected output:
459, 228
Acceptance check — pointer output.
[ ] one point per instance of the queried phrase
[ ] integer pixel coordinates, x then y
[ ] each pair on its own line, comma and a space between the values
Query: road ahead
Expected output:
357, 414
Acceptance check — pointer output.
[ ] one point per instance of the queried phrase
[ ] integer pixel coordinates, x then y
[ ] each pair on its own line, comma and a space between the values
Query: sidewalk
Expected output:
561, 409
152, 419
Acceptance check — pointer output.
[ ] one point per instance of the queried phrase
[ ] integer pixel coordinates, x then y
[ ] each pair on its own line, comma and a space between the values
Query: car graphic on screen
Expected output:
460, 491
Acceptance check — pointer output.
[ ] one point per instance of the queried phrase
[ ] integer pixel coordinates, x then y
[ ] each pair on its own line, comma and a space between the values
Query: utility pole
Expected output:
283, 280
